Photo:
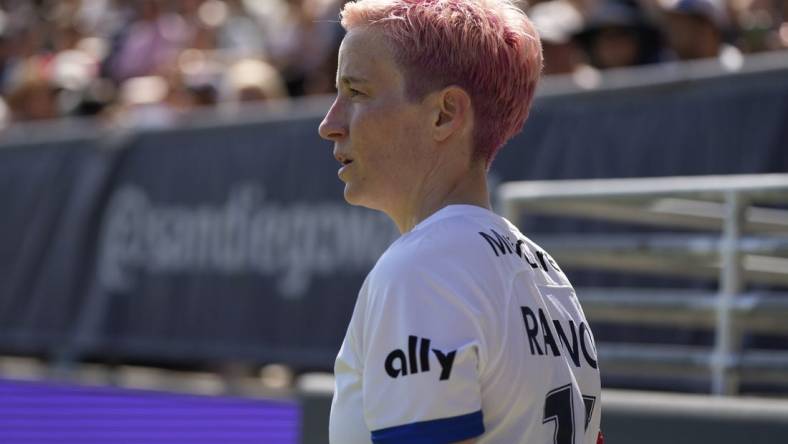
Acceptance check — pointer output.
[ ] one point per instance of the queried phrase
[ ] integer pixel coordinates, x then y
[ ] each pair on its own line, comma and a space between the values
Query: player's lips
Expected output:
344, 168
343, 159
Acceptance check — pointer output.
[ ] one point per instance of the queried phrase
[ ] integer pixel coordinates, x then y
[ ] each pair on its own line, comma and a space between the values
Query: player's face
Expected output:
379, 135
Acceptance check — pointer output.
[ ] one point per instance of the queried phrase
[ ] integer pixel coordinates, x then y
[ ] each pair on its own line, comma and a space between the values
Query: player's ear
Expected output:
452, 114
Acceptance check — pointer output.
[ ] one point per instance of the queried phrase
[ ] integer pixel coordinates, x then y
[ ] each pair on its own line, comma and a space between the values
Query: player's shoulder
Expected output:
448, 241
434, 266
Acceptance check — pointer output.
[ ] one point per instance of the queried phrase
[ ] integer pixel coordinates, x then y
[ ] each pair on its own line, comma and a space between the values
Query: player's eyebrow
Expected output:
347, 80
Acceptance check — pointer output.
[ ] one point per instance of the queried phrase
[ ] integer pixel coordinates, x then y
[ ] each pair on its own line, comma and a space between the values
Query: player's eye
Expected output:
352, 92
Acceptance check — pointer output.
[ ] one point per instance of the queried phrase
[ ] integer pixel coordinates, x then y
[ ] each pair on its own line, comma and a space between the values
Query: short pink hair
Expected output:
487, 47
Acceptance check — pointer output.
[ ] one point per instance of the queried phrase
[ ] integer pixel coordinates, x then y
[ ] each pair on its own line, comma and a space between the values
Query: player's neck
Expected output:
468, 188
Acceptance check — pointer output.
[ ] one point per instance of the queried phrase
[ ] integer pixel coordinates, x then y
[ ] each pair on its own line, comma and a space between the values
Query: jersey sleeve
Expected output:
422, 354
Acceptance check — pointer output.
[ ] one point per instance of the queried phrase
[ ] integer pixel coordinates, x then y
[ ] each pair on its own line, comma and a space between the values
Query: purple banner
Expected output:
44, 412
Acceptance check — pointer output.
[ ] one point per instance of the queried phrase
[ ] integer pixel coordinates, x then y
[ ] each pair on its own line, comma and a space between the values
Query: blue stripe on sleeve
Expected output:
436, 431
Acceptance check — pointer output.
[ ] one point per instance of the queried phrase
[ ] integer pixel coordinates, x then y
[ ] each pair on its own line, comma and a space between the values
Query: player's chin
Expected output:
354, 195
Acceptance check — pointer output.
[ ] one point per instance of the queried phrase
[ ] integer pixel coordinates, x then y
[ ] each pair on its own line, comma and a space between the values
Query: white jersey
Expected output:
465, 328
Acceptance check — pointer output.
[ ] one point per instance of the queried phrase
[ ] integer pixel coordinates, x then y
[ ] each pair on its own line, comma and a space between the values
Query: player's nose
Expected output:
334, 125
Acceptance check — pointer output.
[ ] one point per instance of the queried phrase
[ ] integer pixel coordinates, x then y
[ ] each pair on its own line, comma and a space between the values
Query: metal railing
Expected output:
748, 244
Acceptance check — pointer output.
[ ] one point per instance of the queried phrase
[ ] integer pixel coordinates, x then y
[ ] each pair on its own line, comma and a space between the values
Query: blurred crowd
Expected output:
148, 62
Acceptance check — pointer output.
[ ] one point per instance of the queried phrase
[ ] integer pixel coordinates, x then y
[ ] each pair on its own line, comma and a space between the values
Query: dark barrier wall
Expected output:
715, 126
201, 244
232, 241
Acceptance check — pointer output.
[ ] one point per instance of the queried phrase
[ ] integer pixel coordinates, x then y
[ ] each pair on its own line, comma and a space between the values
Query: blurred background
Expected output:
146, 62
177, 262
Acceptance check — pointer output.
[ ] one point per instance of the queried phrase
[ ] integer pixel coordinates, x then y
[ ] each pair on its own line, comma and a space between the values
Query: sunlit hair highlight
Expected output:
487, 47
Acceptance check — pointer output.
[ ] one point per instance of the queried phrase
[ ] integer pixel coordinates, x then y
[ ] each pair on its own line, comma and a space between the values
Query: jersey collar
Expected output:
452, 211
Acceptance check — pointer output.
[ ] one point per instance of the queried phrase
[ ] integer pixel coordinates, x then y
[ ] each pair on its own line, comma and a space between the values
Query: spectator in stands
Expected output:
557, 21
617, 34
194, 75
695, 28
253, 80
27, 55
763, 25
75, 66
94, 98
240, 34
32, 99
309, 36
150, 41
147, 102
84, 50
